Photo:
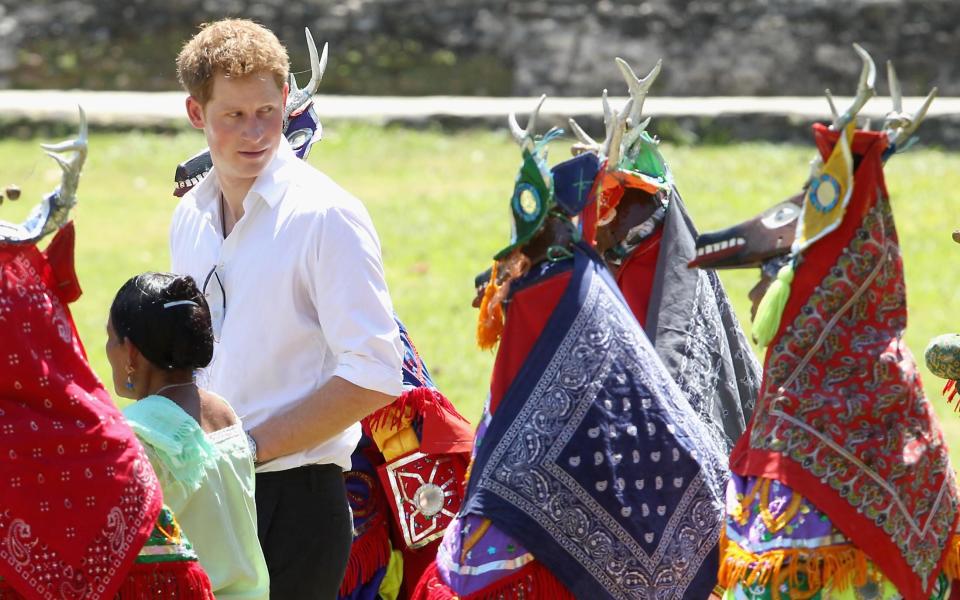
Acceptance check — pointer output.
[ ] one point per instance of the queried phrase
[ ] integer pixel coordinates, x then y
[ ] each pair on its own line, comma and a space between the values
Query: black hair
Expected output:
172, 337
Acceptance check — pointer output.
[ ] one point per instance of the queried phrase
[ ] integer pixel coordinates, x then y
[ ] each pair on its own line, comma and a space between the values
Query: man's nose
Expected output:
253, 128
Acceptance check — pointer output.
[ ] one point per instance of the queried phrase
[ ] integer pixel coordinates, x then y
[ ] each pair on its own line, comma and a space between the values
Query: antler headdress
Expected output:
533, 191
53, 211
825, 200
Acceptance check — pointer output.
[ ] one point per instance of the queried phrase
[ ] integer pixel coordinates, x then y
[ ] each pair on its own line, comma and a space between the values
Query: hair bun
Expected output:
182, 287
154, 312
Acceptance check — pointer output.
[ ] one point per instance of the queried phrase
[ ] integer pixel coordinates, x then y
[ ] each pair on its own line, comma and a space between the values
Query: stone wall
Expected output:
739, 47
494, 47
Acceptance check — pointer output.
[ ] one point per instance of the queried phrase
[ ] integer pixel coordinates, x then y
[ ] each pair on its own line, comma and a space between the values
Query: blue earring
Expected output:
129, 383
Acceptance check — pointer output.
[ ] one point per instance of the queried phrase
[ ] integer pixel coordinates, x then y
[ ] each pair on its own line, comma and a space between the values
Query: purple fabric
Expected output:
495, 556
809, 528
370, 590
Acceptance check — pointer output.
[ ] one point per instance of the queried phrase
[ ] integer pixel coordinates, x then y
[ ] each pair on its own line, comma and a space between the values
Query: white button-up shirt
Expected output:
304, 296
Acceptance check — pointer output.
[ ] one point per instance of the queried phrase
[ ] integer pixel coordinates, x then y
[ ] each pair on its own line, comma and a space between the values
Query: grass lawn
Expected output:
439, 202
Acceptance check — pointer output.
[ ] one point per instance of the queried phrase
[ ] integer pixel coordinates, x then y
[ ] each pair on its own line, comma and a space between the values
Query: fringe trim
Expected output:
368, 554
951, 562
950, 391
431, 587
407, 407
530, 581
184, 580
835, 567
490, 319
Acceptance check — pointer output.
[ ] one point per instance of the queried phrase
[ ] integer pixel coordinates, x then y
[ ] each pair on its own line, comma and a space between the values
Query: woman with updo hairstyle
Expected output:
158, 335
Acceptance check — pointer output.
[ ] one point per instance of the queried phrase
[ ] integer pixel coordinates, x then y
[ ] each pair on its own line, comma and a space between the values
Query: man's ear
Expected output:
286, 92
195, 112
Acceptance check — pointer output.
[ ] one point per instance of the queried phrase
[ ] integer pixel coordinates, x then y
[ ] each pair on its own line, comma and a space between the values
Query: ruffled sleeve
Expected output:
173, 438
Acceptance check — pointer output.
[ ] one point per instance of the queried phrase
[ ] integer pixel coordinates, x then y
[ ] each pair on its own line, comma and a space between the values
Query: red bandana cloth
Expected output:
842, 418
79, 496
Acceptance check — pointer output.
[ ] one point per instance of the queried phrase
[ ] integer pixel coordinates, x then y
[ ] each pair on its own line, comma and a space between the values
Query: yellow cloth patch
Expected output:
397, 443
390, 586
394, 441
828, 195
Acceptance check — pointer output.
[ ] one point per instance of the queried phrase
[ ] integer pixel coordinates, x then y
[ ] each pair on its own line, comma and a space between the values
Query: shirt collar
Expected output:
269, 184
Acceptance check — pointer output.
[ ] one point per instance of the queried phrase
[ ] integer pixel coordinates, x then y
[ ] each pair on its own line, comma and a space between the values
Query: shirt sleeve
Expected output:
352, 302
175, 494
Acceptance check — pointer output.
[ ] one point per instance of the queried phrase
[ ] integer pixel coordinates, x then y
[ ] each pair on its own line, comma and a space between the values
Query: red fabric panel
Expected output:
532, 581
527, 315
79, 495
853, 433
60, 255
635, 276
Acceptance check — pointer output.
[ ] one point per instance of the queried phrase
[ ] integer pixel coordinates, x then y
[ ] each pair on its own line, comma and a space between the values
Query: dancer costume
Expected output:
81, 506
591, 476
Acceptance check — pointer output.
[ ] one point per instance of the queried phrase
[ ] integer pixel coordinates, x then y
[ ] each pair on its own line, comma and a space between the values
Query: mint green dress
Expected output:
208, 482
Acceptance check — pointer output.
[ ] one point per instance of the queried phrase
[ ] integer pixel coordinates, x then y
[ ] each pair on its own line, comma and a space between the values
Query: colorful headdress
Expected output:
537, 192
630, 156
532, 197
830, 185
539, 189
767, 239
685, 314
301, 124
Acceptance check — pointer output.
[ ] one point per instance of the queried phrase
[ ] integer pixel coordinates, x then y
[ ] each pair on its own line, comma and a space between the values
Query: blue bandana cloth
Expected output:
415, 372
595, 460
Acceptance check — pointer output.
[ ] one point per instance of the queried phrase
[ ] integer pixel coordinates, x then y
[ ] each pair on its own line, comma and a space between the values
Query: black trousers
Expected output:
305, 530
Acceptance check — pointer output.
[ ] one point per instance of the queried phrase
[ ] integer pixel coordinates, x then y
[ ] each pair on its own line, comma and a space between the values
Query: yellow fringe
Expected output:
490, 320
836, 567
951, 564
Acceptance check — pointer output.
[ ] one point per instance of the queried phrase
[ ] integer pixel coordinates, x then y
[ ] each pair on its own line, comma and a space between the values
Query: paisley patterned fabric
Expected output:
166, 567
842, 418
596, 463
80, 497
477, 560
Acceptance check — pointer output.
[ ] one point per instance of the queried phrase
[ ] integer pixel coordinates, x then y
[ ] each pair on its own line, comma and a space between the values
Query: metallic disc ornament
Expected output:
429, 499
423, 494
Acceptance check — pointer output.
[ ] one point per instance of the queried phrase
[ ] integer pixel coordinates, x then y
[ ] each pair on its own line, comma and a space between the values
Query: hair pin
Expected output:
180, 303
